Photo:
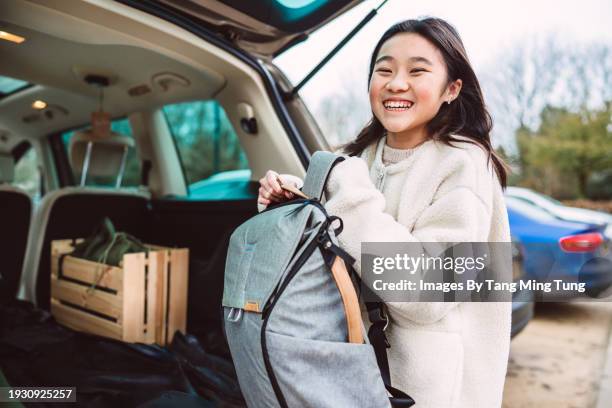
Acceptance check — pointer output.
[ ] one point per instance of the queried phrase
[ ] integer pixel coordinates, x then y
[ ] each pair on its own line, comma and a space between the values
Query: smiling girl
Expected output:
423, 170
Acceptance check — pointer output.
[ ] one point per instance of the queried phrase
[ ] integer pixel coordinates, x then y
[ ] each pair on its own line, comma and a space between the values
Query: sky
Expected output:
487, 29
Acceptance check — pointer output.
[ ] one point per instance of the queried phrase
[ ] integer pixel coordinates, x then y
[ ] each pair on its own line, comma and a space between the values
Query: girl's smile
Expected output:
397, 104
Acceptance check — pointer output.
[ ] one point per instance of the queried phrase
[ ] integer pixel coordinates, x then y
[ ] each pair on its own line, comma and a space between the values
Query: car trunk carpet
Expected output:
37, 351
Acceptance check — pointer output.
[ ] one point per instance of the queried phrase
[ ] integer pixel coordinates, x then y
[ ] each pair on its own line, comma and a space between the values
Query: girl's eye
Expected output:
387, 70
417, 70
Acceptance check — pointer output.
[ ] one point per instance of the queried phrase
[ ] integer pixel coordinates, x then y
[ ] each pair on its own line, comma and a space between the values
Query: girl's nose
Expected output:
397, 84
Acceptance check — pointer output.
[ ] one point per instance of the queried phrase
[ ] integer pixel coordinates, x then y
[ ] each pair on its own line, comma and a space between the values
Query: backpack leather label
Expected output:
250, 306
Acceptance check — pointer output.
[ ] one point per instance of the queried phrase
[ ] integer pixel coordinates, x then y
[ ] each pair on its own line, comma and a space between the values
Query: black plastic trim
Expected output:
20, 150
62, 163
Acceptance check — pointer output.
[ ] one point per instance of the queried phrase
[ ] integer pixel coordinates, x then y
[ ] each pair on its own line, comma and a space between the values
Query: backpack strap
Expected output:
376, 334
319, 168
321, 164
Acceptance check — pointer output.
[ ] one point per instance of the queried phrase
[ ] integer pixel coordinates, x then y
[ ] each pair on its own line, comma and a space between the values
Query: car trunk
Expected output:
34, 350
204, 227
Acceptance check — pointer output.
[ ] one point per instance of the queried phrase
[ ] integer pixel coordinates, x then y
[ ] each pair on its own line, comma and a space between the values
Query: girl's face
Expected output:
409, 84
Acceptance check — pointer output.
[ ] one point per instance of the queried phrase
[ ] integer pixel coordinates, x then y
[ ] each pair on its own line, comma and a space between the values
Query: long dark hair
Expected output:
466, 115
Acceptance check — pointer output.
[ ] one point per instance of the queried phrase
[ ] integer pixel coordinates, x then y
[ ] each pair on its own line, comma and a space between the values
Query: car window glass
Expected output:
214, 162
131, 175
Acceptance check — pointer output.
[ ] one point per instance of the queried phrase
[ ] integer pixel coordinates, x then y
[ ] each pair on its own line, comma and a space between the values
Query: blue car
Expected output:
561, 258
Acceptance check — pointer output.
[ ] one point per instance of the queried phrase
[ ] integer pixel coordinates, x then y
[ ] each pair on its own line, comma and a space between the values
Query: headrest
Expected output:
7, 168
106, 153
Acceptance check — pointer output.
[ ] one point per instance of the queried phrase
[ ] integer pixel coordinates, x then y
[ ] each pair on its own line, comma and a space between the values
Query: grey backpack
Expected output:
291, 312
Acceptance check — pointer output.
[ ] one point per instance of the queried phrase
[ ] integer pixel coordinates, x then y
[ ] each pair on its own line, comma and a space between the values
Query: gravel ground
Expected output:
557, 361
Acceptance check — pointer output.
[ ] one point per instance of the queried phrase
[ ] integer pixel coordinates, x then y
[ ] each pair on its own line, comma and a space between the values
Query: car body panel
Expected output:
545, 261
561, 211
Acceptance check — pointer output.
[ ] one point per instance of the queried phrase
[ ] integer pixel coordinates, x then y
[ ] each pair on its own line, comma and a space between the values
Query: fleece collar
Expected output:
378, 166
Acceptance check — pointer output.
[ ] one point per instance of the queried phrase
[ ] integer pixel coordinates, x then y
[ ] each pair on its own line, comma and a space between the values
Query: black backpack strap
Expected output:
321, 164
399, 399
376, 334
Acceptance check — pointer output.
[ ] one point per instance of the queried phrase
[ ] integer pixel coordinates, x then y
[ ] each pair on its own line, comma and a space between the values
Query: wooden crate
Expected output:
144, 300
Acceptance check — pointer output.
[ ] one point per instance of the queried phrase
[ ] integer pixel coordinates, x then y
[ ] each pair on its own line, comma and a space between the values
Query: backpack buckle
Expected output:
324, 240
378, 316
330, 222
234, 315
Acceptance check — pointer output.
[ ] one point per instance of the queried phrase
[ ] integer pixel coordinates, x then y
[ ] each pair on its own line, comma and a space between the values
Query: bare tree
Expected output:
547, 72
523, 80
342, 114
601, 57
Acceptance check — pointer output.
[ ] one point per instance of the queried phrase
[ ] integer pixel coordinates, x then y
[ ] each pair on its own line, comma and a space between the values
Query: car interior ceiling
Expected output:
64, 44
143, 79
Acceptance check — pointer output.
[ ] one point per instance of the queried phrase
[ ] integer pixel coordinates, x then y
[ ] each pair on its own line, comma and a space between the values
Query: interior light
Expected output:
11, 37
39, 105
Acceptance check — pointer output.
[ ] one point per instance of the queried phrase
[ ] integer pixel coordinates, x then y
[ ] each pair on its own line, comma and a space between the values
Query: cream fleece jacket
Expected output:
444, 354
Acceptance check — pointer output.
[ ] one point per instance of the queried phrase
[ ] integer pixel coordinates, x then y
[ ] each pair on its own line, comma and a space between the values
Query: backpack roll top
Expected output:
259, 251
262, 248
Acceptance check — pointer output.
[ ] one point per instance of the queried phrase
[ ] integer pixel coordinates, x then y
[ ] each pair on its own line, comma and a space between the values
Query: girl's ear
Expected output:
452, 90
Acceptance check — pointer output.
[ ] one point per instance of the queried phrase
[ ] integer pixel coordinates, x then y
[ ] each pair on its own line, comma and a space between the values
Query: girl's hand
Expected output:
270, 190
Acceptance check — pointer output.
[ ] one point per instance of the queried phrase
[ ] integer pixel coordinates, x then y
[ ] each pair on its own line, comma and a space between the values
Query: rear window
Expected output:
215, 165
131, 176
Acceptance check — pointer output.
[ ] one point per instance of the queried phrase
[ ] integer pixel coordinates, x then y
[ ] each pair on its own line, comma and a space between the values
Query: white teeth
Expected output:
398, 104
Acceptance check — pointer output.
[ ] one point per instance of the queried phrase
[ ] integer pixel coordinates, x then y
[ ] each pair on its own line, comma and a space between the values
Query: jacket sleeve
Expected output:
456, 215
